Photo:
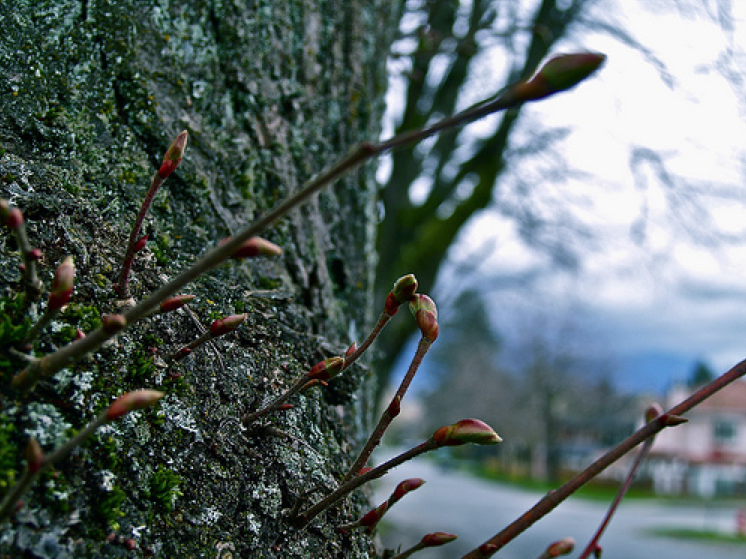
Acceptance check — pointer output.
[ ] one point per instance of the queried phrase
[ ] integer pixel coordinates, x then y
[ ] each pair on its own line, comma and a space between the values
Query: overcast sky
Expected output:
658, 140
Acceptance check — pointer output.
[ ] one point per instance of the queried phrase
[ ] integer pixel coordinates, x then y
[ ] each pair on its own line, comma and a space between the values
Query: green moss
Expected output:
161, 249
85, 317
269, 283
164, 488
14, 324
8, 457
142, 367
108, 506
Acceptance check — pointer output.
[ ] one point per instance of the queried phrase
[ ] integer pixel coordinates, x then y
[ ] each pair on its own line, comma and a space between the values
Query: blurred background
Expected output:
587, 253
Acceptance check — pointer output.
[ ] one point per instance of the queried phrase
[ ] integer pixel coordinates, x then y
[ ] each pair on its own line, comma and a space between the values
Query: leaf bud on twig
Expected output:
223, 326
426, 314
373, 517
404, 289
113, 323
140, 244
653, 411
11, 217
173, 155
34, 456
438, 538
137, 400
405, 487
327, 369
559, 74
176, 302
255, 246
62, 285
466, 431
559, 548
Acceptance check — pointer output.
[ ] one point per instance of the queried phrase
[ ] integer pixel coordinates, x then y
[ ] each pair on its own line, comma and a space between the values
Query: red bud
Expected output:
559, 74
372, 517
173, 155
256, 246
34, 456
62, 285
225, 325
405, 487
140, 244
173, 303
137, 400
426, 313
404, 289
327, 369
113, 323
438, 538
466, 431
395, 406
11, 217
560, 547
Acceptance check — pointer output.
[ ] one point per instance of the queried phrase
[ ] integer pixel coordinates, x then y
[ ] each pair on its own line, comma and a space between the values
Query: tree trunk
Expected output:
91, 94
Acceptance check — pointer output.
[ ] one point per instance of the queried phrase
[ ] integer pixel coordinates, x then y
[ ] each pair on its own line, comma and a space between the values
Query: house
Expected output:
707, 455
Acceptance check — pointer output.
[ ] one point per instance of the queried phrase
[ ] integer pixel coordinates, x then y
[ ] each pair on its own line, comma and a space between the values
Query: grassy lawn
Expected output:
700, 535
595, 490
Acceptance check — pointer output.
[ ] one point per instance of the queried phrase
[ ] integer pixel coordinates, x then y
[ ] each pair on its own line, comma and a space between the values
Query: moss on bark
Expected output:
91, 95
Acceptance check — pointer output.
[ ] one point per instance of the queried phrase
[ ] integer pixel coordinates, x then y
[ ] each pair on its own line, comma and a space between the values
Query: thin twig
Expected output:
391, 411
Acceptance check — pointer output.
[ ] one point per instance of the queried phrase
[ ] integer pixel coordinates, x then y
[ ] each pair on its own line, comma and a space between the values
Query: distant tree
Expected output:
443, 55
701, 374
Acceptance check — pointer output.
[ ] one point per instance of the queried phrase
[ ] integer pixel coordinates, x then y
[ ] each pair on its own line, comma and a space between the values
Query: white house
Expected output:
707, 455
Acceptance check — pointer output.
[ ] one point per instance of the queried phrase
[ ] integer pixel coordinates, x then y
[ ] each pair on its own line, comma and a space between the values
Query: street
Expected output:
475, 510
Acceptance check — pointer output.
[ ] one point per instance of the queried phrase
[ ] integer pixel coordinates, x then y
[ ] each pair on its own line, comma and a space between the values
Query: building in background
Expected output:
706, 456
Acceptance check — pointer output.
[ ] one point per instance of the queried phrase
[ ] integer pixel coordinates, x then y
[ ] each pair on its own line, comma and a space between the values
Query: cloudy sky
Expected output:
658, 164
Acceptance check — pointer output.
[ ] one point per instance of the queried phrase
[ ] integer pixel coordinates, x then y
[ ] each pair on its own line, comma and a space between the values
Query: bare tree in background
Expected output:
449, 50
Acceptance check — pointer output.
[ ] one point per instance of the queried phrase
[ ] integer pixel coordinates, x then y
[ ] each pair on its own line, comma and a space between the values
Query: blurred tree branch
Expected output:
417, 236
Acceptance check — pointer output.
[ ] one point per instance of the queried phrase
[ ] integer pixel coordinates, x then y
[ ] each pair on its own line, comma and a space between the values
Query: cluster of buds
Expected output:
462, 432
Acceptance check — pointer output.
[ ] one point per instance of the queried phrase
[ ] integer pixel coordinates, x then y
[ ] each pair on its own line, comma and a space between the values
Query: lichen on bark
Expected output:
91, 95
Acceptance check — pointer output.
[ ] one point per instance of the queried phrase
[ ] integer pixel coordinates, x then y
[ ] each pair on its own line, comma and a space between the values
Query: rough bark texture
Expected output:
91, 94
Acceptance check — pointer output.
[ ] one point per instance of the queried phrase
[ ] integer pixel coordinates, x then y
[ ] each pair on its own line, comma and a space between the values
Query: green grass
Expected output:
596, 490
699, 535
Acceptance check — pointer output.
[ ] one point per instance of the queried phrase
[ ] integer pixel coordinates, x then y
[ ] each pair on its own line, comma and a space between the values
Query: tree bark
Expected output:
91, 94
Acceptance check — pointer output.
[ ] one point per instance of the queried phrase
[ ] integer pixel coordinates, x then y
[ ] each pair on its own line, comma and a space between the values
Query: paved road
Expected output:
476, 510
